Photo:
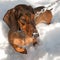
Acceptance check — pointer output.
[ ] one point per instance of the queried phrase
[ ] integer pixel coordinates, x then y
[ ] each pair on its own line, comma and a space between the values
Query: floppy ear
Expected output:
10, 19
6, 18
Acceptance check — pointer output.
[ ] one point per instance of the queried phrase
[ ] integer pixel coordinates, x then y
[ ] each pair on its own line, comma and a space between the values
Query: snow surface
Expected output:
49, 46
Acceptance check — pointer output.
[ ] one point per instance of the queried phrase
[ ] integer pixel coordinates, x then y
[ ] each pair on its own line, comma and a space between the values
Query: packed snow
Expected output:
49, 39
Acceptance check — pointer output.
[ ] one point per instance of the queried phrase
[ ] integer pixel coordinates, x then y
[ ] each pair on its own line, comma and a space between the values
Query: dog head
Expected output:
26, 23
21, 18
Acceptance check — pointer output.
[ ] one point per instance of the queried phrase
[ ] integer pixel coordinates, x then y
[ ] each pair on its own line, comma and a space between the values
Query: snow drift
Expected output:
49, 45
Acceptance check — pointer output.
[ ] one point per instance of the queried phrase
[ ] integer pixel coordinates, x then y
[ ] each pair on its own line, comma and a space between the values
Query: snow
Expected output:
49, 46
7, 0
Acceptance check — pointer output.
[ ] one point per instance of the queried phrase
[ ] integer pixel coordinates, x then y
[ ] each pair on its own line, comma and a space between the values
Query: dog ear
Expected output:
6, 18
10, 19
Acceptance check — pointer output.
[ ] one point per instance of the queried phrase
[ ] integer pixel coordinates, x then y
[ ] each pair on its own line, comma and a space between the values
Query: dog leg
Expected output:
20, 49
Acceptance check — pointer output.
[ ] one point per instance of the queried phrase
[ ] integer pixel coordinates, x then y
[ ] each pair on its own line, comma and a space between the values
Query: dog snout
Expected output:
35, 35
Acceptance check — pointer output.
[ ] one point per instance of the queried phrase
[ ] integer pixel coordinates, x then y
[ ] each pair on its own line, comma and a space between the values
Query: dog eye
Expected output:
23, 22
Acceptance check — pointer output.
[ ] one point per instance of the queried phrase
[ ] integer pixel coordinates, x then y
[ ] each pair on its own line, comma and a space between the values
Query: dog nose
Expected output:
35, 35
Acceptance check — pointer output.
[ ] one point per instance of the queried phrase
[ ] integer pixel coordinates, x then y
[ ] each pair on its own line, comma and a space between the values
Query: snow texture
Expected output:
49, 40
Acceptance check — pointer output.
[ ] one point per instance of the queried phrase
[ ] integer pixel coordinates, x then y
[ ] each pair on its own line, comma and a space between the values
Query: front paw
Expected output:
20, 50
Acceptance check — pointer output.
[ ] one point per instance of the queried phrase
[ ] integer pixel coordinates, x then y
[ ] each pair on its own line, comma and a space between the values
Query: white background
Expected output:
49, 47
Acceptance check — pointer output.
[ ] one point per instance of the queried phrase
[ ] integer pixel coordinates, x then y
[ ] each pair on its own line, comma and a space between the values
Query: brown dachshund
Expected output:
20, 20
44, 17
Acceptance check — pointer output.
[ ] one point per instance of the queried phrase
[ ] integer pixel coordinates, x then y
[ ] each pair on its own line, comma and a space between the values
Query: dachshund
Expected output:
23, 32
